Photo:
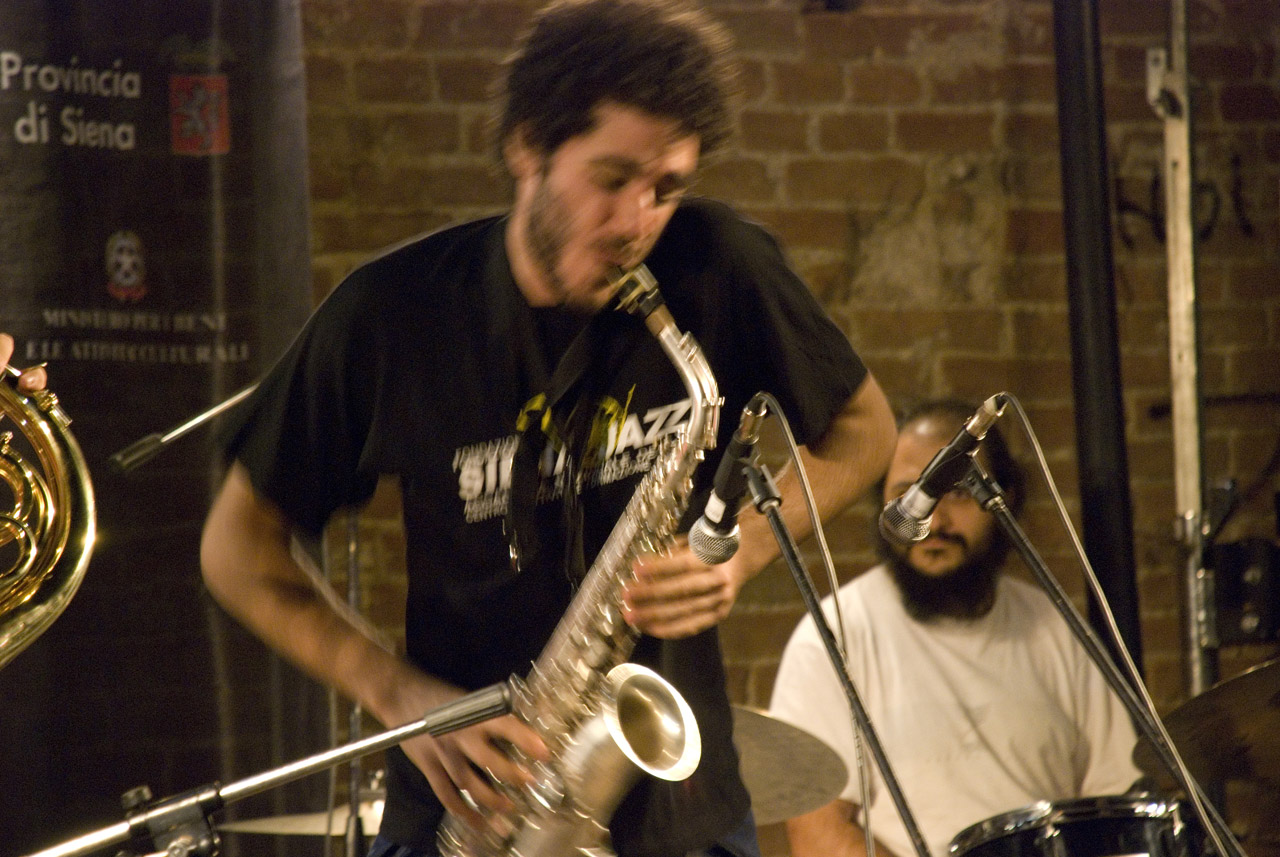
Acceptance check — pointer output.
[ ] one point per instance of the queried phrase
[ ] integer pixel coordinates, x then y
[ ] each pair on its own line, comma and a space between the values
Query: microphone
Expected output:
907, 519
715, 536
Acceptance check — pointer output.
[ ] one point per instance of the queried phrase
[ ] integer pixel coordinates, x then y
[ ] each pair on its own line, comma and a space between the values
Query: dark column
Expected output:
1095, 361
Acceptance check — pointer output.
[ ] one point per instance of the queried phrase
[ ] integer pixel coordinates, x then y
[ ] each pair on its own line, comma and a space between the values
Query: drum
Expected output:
1109, 826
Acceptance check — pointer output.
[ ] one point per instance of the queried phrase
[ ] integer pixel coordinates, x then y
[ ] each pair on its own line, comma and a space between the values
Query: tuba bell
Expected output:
47, 527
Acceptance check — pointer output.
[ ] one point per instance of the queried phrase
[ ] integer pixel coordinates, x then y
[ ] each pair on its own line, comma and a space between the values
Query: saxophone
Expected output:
604, 720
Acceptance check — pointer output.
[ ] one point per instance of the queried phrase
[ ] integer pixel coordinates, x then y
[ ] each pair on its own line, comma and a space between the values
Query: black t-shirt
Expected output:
418, 366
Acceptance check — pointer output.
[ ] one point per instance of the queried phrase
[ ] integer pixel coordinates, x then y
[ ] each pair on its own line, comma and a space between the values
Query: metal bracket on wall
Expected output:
1163, 100
1247, 592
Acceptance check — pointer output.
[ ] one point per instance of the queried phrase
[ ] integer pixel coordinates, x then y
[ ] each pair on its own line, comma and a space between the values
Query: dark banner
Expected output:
153, 251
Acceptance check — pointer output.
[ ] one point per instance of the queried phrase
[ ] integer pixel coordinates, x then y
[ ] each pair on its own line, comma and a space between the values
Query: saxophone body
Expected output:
606, 721
47, 527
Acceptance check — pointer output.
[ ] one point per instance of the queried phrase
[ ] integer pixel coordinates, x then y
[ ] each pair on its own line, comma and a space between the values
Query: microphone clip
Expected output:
715, 536
908, 519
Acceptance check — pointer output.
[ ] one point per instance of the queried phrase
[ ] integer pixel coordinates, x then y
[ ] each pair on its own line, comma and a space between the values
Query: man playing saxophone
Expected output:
455, 362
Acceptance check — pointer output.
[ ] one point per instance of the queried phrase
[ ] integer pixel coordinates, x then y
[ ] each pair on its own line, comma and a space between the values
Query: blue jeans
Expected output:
740, 843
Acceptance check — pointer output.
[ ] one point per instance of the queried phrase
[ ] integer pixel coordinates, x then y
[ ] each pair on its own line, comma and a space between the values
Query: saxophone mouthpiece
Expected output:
637, 291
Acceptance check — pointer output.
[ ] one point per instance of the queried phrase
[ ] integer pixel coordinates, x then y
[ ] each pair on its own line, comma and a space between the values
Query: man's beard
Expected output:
548, 232
966, 593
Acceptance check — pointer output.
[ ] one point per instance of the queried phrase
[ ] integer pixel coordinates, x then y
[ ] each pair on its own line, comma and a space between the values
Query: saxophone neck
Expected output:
636, 292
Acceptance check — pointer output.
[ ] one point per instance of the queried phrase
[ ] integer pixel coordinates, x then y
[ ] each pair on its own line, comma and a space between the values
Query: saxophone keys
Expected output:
548, 789
470, 801
610, 618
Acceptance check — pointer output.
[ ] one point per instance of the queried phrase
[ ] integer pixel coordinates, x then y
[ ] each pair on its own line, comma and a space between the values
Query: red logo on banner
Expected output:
199, 116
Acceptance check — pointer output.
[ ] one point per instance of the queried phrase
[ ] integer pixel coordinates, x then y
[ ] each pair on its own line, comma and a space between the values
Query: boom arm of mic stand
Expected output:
989, 496
144, 449
166, 815
765, 496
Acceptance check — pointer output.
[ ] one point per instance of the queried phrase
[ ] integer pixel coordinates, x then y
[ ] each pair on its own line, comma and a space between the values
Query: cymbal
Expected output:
312, 823
788, 772
1229, 732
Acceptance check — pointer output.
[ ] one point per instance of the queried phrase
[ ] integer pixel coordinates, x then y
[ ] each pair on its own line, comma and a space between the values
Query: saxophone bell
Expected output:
643, 726
650, 726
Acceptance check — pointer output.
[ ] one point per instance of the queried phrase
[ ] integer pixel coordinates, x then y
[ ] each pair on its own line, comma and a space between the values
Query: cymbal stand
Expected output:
983, 488
179, 826
767, 500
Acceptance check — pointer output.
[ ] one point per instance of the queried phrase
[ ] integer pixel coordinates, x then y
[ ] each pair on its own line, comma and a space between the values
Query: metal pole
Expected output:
355, 832
1168, 93
1105, 508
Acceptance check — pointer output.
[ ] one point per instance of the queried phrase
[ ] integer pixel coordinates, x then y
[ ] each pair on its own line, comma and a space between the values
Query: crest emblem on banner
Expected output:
126, 267
199, 114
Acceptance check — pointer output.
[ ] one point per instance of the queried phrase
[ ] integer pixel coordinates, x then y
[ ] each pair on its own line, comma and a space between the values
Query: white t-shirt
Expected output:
976, 718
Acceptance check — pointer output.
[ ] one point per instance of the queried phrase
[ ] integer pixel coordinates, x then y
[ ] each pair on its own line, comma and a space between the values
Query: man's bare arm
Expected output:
679, 595
249, 568
850, 456
829, 831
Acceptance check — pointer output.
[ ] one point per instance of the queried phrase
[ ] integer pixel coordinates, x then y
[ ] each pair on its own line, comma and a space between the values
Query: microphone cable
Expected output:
828, 567
1140, 698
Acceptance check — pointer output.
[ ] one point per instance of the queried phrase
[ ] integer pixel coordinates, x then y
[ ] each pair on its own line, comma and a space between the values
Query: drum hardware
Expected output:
1108, 826
1246, 590
787, 771
180, 827
1254, 810
311, 823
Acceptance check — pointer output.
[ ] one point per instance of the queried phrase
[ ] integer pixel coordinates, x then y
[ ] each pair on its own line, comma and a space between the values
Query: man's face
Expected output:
600, 200
961, 531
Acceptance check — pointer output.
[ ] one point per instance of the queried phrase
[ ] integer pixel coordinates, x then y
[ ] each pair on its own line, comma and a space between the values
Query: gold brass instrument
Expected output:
47, 528
605, 720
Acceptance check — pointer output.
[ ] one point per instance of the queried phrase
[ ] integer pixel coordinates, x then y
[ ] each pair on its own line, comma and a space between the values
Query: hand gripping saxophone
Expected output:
606, 721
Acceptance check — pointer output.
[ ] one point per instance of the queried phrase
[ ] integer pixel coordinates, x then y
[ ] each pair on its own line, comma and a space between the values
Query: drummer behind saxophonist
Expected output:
982, 698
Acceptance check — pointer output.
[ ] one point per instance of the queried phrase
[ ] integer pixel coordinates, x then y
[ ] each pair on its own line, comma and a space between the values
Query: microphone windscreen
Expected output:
710, 546
900, 528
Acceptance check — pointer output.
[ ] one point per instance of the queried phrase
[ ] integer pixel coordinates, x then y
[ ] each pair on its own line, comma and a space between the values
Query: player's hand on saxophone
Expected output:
678, 595
465, 767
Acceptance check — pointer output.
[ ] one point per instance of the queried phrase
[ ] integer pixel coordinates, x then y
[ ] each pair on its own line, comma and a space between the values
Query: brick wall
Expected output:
906, 152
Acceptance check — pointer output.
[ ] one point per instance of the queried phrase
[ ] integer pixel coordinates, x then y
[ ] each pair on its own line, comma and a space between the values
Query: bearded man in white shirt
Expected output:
982, 698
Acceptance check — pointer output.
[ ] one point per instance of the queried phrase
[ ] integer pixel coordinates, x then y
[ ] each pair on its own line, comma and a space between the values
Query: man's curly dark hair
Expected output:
665, 57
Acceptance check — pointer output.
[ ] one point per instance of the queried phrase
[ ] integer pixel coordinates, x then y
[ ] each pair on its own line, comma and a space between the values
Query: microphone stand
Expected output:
765, 496
983, 488
144, 449
179, 826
